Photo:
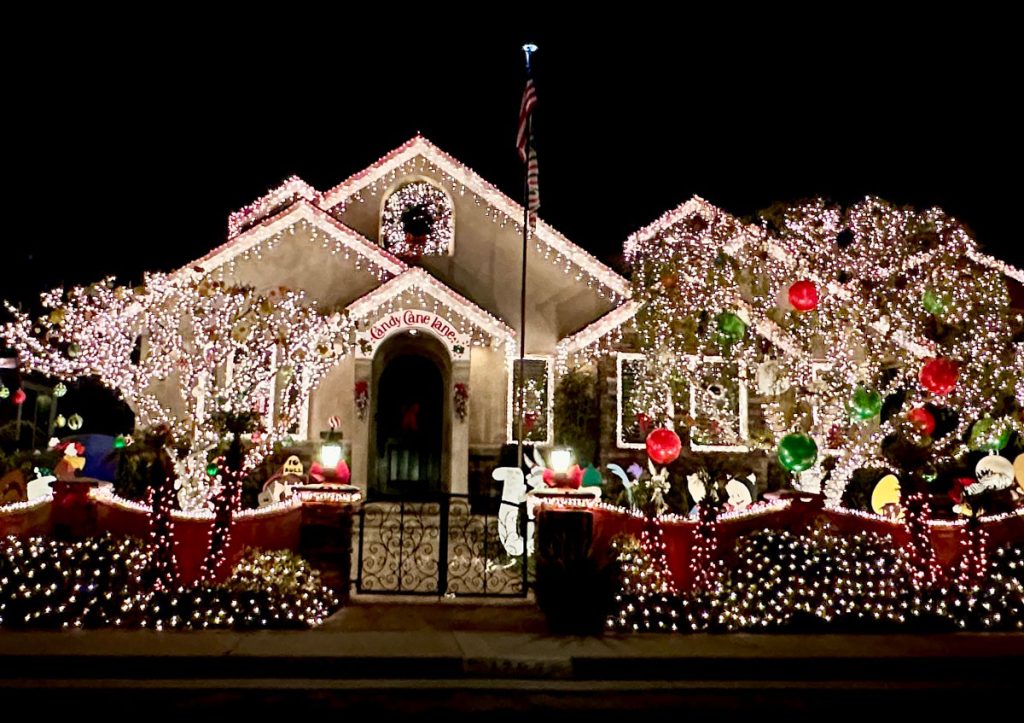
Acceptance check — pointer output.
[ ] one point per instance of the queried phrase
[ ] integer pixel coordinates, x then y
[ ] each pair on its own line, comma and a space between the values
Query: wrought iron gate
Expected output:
444, 545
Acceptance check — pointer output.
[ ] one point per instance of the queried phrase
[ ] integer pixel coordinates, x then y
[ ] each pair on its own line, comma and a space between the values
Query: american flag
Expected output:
528, 154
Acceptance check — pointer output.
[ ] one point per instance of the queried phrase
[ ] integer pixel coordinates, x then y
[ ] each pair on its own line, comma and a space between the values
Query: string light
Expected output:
181, 351
103, 582
892, 287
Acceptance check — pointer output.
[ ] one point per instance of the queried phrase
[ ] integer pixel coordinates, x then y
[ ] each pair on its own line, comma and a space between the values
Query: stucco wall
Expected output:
296, 261
488, 378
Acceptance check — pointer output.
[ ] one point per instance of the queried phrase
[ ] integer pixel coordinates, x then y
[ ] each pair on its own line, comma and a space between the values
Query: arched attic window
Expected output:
418, 219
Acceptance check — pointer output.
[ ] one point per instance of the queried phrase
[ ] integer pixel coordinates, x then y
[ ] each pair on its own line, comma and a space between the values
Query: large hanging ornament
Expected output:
994, 473
923, 420
885, 499
797, 452
939, 375
934, 303
60, 389
989, 435
1018, 468
865, 404
60, 421
663, 446
19, 396
731, 327
803, 295
75, 422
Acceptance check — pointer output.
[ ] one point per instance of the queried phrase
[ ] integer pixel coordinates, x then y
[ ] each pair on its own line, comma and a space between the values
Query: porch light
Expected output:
561, 460
330, 453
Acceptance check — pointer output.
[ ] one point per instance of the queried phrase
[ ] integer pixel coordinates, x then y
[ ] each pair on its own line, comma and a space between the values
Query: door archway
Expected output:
411, 420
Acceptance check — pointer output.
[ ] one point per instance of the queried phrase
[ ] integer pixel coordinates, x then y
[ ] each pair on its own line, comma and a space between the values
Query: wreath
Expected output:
417, 221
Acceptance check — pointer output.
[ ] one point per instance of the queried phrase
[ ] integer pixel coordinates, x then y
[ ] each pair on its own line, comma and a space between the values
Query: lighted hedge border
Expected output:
107, 582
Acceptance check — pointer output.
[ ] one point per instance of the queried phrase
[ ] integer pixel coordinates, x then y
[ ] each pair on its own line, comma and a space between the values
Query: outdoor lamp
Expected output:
330, 453
561, 460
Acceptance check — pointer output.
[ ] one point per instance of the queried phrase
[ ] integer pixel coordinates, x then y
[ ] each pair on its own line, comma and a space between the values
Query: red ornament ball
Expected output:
19, 397
939, 376
663, 446
923, 420
803, 295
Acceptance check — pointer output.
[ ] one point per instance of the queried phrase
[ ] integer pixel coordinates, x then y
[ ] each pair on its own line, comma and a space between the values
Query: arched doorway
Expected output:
410, 423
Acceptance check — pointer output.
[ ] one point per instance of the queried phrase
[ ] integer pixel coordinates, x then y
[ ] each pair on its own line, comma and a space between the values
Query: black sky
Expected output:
128, 145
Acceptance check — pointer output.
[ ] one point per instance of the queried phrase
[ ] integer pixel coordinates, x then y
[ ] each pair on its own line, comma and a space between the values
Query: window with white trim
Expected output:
537, 412
718, 406
632, 422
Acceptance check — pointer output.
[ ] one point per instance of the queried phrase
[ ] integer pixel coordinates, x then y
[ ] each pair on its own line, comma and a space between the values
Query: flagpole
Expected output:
521, 390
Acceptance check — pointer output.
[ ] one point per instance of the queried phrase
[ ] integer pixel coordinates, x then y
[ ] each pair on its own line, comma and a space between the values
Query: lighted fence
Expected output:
608, 521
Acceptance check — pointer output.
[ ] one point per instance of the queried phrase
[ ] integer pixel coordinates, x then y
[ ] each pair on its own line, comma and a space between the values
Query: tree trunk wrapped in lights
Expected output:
226, 502
928, 571
161, 520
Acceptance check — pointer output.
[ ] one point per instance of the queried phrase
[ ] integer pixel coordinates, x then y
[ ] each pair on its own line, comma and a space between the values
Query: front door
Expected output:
410, 408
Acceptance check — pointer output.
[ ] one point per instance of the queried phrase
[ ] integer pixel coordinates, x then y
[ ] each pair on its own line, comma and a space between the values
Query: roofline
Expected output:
598, 328
300, 210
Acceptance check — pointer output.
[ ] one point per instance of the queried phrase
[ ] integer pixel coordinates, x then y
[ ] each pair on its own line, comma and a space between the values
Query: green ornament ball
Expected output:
934, 303
119, 442
211, 469
865, 404
797, 452
591, 477
4, 392
988, 435
731, 327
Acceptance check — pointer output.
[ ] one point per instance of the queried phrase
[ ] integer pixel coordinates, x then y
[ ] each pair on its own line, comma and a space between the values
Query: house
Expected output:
425, 256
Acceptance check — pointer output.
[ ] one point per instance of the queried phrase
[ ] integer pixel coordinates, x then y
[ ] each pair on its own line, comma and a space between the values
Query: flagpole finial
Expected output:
529, 48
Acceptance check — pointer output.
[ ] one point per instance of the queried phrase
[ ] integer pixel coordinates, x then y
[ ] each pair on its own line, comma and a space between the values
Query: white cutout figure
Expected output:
513, 494
739, 492
39, 487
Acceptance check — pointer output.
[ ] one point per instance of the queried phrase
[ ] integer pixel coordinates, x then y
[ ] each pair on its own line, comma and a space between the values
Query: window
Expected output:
718, 406
537, 400
632, 421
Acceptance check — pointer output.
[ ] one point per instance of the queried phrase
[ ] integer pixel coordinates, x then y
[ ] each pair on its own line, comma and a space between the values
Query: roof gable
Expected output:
419, 280
344, 239
557, 248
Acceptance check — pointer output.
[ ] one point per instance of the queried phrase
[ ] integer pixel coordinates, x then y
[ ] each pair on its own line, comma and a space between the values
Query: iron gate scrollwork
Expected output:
447, 545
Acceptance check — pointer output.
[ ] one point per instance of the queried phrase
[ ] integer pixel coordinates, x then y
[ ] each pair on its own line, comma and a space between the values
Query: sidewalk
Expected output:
400, 658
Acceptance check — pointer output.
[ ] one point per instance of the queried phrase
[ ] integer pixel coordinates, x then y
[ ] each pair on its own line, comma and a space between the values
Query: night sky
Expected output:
127, 150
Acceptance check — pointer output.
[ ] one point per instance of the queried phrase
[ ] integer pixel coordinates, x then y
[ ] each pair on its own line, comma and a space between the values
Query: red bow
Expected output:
570, 480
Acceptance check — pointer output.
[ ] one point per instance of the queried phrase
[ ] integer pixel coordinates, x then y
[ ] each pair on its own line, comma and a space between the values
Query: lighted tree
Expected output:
188, 352
832, 315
